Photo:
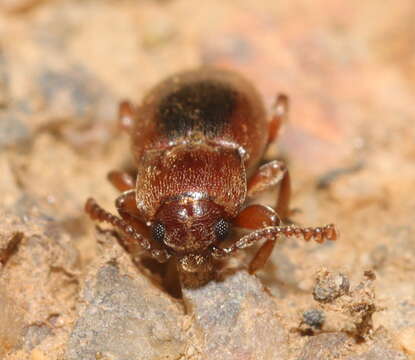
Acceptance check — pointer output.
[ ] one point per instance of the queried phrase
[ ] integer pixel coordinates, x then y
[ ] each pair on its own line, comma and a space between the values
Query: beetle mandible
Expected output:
197, 140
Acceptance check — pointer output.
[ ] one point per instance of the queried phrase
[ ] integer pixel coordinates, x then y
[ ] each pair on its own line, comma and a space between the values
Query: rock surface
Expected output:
64, 65
380, 352
125, 318
325, 347
236, 319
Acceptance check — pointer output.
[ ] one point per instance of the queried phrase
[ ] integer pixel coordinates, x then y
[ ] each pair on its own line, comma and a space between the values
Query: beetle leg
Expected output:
121, 180
257, 217
126, 114
132, 237
271, 234
127, 208
279, 115
272, 174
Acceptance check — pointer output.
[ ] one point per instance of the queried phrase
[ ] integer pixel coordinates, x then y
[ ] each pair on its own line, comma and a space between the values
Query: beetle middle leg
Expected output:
274, 173
121, 180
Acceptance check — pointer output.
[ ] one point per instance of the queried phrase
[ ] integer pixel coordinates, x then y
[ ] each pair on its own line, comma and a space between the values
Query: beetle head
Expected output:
188, 225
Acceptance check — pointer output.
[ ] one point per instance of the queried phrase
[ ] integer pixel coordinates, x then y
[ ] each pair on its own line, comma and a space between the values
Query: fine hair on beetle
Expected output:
197, 139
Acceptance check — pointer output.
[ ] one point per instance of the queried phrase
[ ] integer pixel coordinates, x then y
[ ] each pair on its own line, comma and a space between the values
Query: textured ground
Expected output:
69, 291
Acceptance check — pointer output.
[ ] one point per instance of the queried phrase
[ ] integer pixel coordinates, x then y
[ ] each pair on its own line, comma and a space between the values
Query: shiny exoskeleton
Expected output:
197, 139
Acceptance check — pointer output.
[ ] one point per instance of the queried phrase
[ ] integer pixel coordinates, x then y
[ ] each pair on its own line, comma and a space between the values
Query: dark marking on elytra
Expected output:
204, 106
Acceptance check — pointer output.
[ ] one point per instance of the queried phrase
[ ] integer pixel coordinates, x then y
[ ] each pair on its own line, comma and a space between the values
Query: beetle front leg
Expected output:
127, 208
274, 173
257, 217
131, 235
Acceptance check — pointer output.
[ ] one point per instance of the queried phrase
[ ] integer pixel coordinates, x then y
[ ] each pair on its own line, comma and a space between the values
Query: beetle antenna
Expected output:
319, 234
96, 212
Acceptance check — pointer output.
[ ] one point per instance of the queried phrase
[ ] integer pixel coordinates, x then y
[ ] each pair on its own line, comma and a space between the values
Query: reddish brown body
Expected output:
197, 139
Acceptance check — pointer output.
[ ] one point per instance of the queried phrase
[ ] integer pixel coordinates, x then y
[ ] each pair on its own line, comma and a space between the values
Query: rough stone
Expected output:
406, 338
330, 286
314, 318
237, 319
39, 278
17, 6
11, 323
350, 77
13, 130
346, 309
4, 82
8, 245
125, 318
34, 335
324, 347
380, 352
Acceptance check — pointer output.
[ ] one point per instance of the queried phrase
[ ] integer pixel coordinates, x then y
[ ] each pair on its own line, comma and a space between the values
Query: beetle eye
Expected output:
158, 231
222, 228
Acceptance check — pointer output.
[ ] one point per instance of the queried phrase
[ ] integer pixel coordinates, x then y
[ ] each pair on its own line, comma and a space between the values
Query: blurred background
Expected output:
347, 67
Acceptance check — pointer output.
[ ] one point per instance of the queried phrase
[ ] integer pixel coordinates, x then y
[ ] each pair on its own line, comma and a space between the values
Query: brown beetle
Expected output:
197, 139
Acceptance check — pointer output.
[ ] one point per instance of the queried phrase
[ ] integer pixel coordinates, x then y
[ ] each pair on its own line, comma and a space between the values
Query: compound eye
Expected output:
158, 231
222, 228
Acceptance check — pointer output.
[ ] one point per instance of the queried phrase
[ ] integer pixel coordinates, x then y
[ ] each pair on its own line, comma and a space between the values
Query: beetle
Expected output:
197, 139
